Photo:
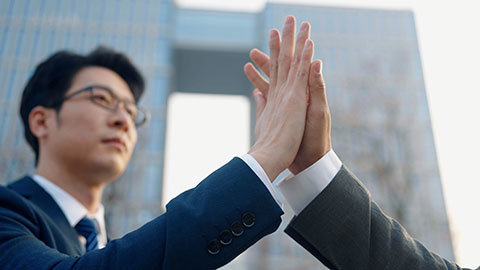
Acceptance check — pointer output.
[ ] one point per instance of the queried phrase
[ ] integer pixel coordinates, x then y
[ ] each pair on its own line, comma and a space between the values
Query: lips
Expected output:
116, 142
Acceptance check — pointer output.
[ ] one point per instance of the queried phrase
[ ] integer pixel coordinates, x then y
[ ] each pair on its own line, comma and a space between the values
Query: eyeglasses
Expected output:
105, 98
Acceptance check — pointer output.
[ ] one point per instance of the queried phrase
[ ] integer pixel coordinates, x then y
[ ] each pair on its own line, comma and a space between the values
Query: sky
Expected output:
449, 46
227, 116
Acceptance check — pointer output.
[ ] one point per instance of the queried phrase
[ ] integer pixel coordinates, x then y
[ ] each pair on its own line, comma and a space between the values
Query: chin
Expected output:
112, 168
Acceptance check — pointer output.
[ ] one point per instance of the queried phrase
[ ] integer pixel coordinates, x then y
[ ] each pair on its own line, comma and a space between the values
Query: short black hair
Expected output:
54, 76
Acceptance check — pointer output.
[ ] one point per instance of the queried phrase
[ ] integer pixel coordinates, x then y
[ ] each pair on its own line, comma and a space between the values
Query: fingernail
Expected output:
289, 20
304, 26
316, 68
272, 33
257, 97
308, 44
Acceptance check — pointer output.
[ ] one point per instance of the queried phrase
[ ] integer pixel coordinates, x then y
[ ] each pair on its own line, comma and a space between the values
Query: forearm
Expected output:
192, 221
345, 229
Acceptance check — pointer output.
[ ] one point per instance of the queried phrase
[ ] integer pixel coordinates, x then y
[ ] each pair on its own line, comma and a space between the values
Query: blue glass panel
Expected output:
11, 39
160, 91
152, 184
4, 34
10, 85
6, 7
20, 43
156, 130
212, 27
162, 53
19, 137
5, 118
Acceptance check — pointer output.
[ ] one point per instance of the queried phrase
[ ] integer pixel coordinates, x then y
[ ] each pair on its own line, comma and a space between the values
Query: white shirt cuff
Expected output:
257, 168
301, 189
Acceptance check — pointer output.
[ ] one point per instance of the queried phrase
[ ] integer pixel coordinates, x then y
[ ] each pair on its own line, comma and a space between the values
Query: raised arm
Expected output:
205, 227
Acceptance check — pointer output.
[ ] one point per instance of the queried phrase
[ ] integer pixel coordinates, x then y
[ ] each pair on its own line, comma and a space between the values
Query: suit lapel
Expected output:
37, 195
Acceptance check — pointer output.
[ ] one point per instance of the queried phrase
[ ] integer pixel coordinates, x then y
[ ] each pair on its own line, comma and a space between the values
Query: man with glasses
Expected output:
104, 97
80, 116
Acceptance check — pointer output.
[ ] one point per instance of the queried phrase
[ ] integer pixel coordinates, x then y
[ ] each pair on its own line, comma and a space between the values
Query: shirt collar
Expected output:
74, 211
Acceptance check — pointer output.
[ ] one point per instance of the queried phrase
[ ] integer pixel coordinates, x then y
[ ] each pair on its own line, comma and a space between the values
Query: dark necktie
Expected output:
86, 228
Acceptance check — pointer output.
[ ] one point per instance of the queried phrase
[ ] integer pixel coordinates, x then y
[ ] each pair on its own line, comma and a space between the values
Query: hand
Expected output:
316, 141
281, 119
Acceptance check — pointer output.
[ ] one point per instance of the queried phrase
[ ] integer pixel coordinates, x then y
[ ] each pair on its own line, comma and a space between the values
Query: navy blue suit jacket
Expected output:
203, 228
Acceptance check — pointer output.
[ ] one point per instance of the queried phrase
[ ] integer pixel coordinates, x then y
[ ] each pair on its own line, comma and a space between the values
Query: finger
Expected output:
286, 50
303, 35
261, 102
303, 72
274, 51
261, 60
256, 78
317, 84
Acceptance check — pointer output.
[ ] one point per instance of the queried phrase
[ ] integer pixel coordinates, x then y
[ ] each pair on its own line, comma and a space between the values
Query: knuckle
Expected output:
284, 58
273, 68
291, 102
319, 84
302, 73
273, 64
306, 55
321, 112
295, 61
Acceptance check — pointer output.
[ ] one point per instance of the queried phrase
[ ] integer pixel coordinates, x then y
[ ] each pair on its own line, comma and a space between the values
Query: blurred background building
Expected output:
381, 123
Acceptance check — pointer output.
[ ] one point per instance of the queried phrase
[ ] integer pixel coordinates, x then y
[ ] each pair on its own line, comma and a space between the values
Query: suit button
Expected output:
237, 228
226, 237
214, 247
248, 220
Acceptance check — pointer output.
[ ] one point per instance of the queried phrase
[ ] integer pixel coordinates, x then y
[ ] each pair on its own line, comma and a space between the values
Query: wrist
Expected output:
300, 165
269, 165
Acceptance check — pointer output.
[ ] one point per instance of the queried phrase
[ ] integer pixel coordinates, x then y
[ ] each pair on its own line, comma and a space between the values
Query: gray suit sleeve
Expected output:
345, 229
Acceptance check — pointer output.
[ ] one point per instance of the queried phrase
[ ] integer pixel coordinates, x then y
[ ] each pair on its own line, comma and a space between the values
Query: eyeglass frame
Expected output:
116, 99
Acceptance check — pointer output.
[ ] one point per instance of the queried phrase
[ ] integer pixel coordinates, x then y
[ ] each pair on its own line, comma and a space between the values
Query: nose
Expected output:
120, 119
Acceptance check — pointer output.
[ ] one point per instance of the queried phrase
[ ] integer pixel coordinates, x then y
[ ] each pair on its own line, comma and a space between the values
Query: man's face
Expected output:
90, 138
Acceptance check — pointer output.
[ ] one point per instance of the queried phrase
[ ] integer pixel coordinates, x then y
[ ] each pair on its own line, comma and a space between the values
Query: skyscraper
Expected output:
381, 123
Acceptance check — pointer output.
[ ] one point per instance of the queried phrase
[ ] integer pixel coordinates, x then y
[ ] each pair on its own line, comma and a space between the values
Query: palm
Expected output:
316, 141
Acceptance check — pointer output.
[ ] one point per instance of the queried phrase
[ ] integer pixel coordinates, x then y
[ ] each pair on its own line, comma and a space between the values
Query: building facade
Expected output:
380, 116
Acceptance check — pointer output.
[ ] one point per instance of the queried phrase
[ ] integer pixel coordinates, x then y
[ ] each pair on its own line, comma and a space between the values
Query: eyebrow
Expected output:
113, 92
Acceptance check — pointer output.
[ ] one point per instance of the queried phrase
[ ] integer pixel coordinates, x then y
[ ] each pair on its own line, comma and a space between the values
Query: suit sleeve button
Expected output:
226, 237
237, 228
214, 247
248, 220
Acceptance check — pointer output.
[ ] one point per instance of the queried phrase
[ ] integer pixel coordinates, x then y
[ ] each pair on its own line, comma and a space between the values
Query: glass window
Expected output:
16, 9
152, 188
20, 44
160, 91
19, 137
11, 85
10, 41
6, 7
156, 136
165, 12
5, 126
162, 53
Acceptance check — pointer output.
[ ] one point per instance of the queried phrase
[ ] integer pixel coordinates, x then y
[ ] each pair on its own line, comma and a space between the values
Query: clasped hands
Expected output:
293, 119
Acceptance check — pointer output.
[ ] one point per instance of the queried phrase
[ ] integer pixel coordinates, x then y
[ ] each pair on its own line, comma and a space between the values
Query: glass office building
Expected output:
381, 123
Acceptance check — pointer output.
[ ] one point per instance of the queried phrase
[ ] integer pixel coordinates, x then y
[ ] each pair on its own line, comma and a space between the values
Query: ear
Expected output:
40, 122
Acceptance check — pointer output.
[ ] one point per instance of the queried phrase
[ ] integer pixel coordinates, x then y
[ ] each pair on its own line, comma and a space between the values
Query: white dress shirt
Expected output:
299, 190
73, 210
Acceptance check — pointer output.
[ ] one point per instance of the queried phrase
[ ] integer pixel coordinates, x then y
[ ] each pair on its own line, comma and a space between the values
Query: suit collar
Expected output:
27, 187
73, 210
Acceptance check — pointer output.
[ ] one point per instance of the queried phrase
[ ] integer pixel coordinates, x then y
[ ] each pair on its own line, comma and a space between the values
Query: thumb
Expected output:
316, 84
260, 100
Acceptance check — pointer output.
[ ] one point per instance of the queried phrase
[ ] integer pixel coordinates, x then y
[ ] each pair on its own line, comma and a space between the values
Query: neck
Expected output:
82, 186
